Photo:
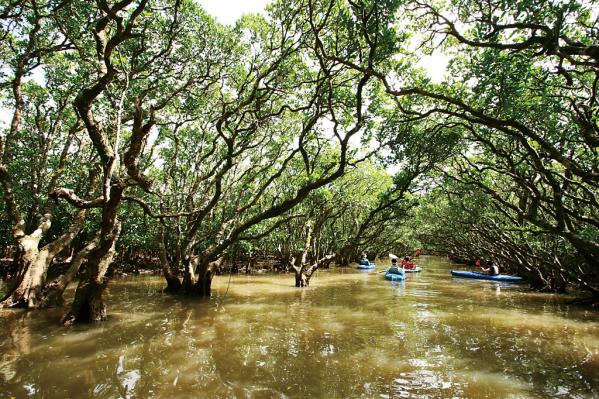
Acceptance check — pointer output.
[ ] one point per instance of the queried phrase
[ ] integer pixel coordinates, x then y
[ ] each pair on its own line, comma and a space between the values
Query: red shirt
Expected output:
406, 264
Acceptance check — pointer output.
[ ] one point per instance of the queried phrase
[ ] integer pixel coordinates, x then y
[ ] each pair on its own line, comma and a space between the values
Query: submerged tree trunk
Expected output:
196, 280
299, 263
300, 278
203, 272
33, 263
303, 271
32, 268
322, 262
88, 305
173, 284
203, 286
53, 290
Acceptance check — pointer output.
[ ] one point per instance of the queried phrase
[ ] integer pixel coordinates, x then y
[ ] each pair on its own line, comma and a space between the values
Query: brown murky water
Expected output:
350, 335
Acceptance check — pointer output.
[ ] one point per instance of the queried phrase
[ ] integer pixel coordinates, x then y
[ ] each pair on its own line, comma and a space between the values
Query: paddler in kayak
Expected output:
363, 260
406, 264
394, 269
491, 268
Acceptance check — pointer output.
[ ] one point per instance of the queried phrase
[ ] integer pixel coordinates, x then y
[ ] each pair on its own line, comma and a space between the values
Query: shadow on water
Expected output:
350, 334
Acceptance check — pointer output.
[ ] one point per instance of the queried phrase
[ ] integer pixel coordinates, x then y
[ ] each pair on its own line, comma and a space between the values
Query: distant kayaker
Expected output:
364, 260
418, 252
491, 268
477, 262
406, 264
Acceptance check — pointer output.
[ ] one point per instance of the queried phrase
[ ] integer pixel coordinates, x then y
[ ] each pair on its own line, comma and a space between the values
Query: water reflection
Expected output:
348, 335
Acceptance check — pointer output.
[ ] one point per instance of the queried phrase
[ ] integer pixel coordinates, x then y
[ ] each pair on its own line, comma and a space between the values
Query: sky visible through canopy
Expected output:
228, 11
225, 12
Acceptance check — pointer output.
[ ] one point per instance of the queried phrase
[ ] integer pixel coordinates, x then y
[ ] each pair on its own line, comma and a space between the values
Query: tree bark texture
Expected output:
33, 263
88, 305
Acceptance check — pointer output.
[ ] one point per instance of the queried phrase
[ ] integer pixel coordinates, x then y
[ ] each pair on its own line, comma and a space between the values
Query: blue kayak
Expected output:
484, 276
366, 267
394, 276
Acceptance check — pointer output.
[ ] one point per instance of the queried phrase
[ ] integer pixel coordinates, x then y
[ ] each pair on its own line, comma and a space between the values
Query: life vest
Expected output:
395, 270
406, 264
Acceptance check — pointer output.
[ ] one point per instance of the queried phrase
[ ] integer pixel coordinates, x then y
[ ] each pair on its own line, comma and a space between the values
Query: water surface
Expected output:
350, 335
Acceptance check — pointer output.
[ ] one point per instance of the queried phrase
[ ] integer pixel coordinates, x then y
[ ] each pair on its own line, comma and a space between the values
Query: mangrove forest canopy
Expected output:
144, 131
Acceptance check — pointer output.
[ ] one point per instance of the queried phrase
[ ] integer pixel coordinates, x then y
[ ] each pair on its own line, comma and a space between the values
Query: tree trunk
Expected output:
203, 286
53, 290
298, 263
33, 264
205, 272
299, 278
88, 305
189, 275
324, 261
173, 284
197, 273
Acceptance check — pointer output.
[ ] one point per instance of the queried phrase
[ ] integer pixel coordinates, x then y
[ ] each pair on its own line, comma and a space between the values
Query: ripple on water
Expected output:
347, 335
